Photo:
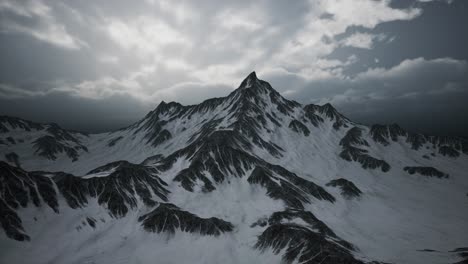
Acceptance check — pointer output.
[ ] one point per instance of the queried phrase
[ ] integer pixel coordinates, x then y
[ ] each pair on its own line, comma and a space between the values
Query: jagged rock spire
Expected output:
249, 81
252, 75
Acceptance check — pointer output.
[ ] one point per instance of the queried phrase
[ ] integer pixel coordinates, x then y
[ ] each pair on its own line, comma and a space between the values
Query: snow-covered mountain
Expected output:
247, 178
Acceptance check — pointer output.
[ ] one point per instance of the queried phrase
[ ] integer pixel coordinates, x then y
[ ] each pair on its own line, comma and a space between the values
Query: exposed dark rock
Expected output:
416, 140
464, 261
204, 107
118, 191
247, 107
352, 153
11, 223
11, 140
253, 89
426, 171
154, 122
152, 160
17, 123
49, 147
353, 137
448, 146
203, 162
73, 189
348, 189
329, 111
427, 250
262, 222
18, 188
384, 133
291, 189
303, 245
460, 249
223, 155
56, 141
245, 103
458, 144
114, 141
154, 136
91, 222
462, 253
206, 130
313, 112
158, 139
299, 127
63, 135
250, 120
449, 151
310, 113
169, 218
217, 155
273, 120
46, 189
309, 218
379, 133
12, 157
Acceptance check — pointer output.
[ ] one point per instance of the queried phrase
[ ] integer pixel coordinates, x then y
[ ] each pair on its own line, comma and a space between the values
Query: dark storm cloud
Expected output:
102, 64
436, 33
421, 95
77, 113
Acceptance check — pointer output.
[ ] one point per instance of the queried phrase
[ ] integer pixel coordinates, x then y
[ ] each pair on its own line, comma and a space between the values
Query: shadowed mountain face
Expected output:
257, 177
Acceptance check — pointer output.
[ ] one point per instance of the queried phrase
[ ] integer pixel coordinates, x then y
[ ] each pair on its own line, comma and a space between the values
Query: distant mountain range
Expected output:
248, 178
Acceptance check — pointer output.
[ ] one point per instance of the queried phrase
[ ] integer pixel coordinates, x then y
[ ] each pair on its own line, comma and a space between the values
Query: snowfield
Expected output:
241, 179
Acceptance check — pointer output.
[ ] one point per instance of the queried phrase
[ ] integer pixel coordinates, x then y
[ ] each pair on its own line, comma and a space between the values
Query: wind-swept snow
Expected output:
241, 179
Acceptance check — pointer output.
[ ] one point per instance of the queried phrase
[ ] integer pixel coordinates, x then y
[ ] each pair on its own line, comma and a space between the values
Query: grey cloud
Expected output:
422, 95
194, 93
35, 18
436, 33
77, 113
100, 53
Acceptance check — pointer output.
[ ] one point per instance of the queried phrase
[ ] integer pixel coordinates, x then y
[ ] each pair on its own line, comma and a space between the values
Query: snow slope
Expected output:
247, 178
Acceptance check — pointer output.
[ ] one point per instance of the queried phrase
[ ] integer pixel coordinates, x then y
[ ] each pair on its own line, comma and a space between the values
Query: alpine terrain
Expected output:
248, 178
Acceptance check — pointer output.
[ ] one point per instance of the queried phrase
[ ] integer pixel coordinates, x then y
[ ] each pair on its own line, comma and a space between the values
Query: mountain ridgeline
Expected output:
269, 179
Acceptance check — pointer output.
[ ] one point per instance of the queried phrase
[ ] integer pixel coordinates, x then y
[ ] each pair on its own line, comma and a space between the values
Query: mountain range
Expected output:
248, 178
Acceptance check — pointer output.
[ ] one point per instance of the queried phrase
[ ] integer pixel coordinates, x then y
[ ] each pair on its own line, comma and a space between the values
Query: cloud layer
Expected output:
188, 51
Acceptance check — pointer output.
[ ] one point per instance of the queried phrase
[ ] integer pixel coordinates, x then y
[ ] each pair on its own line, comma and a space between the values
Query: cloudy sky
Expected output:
99, 65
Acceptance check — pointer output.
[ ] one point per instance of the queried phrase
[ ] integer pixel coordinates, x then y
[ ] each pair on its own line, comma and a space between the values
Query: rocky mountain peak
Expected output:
267, 176
249, 81
251, 86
